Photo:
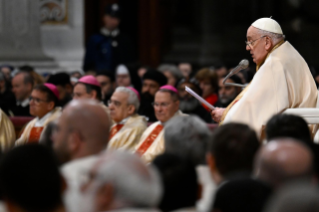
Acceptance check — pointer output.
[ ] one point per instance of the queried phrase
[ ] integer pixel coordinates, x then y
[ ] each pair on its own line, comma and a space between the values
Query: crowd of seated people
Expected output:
135, 140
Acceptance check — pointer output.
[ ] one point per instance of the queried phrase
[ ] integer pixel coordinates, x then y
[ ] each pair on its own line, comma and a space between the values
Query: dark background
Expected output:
207, 31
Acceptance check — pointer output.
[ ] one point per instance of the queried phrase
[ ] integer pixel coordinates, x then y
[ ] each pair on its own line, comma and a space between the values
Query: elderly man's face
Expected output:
119, 107
164, 106
257, 47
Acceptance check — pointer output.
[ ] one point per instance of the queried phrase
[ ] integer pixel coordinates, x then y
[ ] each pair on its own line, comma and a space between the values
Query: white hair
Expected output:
187, 136
134, 183
173, 69
132, 97
276, 38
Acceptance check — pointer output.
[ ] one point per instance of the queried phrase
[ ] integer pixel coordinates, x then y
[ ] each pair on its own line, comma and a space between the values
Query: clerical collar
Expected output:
23, 103
176, 114
124, 120
40, 122
107, 32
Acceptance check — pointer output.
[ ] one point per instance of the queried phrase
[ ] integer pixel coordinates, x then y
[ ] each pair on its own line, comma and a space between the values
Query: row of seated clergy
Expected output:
129, 131
43, 105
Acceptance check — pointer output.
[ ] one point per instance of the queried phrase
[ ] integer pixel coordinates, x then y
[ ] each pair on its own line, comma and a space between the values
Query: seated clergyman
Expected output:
166, 106
43, 105
129, 126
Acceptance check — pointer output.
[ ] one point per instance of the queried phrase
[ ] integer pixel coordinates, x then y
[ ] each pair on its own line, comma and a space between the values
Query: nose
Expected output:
248, 48
111, 106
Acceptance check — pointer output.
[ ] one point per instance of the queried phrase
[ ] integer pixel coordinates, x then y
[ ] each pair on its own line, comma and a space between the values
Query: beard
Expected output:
226, 99
147, 98
188, 104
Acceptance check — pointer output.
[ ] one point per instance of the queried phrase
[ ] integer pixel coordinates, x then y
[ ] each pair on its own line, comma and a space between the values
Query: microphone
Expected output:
242, 65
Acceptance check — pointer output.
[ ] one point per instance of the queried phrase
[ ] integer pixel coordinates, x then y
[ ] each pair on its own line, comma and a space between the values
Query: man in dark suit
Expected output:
110, 47
22, 85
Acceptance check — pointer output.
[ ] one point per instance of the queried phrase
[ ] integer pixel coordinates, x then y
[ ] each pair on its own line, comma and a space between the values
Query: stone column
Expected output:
64, 40
20, 38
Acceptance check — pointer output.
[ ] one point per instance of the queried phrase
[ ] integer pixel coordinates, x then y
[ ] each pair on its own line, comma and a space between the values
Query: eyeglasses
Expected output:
36, 100
163, 104
250, 44
116, 103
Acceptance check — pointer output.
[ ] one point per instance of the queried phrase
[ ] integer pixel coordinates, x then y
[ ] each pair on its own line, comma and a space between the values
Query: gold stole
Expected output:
245, 90
115, 130
149, 140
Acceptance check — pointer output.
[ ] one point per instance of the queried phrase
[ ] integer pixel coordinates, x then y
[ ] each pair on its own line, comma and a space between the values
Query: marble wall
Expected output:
46, 34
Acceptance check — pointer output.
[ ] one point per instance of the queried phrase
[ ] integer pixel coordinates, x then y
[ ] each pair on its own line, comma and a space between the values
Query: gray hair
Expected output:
295, 197
187, 136
276, 38
173, 69
132, 97
27, 78
134, 183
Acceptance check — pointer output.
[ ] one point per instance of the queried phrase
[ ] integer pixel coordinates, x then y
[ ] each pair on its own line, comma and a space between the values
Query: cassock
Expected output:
152, 141
7, 133
126, 134
35, 127
282, 81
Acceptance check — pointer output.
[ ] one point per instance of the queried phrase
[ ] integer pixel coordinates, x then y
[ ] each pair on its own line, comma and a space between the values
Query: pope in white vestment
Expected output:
283, 80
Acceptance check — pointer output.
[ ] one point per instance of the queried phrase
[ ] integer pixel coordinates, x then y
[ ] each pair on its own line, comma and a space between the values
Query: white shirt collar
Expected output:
124, 120
107, 32
24, 103
40, 122
176, 114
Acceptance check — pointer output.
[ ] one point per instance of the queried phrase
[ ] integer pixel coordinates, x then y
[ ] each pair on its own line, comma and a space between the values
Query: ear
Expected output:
74, 142
131, 109
177, 105
269, 44
93, 94
29, 86
51, 105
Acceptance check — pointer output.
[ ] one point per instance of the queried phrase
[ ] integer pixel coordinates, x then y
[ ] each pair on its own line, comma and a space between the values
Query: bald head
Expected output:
282, 160
83, 130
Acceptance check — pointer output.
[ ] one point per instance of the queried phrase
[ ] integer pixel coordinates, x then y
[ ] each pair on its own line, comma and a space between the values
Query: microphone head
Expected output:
244, 64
